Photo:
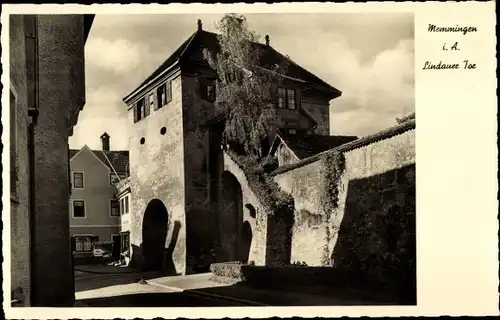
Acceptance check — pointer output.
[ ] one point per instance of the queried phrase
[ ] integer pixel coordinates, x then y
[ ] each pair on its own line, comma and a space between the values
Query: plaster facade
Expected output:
50, 80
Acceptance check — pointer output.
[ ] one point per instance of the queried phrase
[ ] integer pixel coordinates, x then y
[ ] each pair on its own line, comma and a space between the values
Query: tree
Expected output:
246, 86
406, 118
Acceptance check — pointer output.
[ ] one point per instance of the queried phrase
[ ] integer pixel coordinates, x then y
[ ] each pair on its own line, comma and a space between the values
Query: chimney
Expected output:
267, 40
200, 25
105, 141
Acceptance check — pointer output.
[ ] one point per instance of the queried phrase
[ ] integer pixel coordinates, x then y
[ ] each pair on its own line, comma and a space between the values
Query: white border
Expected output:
457, 159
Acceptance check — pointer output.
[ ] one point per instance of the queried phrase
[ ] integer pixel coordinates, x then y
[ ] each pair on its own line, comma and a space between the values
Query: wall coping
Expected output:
361, 142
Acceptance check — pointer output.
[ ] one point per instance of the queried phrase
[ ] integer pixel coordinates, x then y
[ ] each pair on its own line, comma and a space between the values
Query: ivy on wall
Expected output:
334, 166
275, 200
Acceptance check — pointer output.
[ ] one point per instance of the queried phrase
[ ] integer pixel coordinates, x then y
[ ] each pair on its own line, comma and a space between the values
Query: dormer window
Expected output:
287, 99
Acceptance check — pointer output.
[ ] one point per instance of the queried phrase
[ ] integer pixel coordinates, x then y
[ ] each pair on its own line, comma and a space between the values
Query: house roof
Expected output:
119, 159
204, 39
304, 146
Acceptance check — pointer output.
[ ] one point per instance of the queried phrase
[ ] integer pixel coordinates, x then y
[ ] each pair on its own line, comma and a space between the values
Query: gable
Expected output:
118, 159
189, 54
85, 159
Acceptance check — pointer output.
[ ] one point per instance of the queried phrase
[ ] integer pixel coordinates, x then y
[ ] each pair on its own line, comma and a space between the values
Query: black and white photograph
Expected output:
229, 159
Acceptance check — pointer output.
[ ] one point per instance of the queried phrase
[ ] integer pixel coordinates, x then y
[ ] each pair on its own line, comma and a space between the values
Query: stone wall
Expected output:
157, 172
61, 90
199, 220
308, 239
19, 203
377, 187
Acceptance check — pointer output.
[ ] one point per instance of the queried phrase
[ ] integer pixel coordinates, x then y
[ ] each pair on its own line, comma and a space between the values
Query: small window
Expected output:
78, 209
211, 92
78, 180
290, 94
287, 98
141, 110
168, 89
122, 210
281, 98
292, 131
115, 208
84, 243
126, 204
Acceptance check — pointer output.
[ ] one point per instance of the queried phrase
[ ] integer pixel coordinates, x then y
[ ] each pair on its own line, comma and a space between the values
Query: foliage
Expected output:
275, 200
408, 117
334, 165
246, 86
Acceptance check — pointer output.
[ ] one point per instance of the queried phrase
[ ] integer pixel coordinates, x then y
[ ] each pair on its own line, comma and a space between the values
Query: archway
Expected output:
154, 235
246, 241
230, 216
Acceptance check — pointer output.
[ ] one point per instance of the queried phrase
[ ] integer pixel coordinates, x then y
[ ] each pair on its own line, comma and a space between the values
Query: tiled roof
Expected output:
119, 159
204, 39
308, 145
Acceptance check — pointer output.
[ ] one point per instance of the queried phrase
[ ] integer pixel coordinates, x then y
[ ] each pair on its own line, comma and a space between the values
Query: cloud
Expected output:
117, 55
375, 89
89, 130
369, 57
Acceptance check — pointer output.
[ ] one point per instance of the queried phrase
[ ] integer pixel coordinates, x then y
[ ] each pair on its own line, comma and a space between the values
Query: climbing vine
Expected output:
334, 165
275, 200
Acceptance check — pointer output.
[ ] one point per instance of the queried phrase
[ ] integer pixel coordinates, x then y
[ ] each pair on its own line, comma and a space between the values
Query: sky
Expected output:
368, 56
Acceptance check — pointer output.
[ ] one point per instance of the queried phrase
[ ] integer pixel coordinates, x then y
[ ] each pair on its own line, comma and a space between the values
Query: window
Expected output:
84, 243
211, 92
122, 210
164, 93
290, 94
126, 204
115, 208
208, 89
287, 98
78, 209
292, 131
141, 111
13, 146
78, 180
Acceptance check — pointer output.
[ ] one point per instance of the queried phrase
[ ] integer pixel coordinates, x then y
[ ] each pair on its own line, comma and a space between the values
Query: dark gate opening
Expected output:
230, 216
154, 235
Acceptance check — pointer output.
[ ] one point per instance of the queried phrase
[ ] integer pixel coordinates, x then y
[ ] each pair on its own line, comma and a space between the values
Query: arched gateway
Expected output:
154, 235
230, 216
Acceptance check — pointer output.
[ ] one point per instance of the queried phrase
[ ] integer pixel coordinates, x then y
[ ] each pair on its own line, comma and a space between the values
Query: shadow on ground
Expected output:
241, 295
91, 281
162, 299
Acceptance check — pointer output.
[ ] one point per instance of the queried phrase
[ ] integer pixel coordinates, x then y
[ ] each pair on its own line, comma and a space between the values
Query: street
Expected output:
123, 290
